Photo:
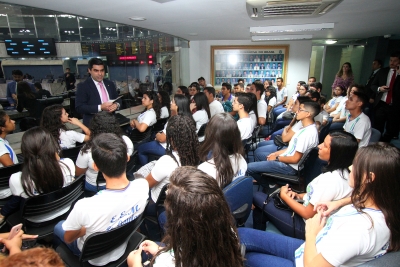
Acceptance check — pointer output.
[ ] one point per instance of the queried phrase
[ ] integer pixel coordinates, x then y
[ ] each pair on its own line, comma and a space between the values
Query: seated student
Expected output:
7, 154
40, 92
202, 114
341, 105
285, 161
338, 149
267, 147
241, 105
222, 150
257, 88
42, 172
337, 95
295, 95
179, 106
163, 98
120, 202
195, 208
150, 114
227, 98
13, 245
102, 122
215, 105
54, 119
253, 109
270, 100
39, 256
301, 92
183, 90
322, 118
357, 123
356, 234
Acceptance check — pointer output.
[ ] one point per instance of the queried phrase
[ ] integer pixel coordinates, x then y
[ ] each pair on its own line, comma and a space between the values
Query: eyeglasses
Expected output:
303, 110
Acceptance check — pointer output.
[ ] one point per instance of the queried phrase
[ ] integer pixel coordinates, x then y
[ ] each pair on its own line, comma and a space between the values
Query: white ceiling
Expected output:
228, 19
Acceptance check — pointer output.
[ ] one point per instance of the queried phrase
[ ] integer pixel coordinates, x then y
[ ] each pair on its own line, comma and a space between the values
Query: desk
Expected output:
15, 139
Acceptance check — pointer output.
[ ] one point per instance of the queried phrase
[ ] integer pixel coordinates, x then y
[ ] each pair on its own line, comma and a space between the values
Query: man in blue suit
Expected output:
12, 87
95, 94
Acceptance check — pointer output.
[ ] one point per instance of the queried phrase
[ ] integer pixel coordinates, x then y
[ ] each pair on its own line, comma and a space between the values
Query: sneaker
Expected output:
267, 138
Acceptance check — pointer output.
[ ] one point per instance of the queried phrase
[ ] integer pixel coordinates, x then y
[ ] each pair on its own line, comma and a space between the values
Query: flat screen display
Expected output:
30, 47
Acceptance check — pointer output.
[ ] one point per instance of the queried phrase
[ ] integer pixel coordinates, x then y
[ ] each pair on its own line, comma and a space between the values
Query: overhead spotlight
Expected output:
331, 41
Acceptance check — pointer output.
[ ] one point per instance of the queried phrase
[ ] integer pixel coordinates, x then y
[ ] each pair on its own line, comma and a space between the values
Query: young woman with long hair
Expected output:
42, 172
202, 114
151, 113
7, 154
102, 122
344, 78
26, 98
360, 232
179, 106
183, 90
163, 97
253, 109
222, 150
338, 149
54, 119
338, 93
195, 208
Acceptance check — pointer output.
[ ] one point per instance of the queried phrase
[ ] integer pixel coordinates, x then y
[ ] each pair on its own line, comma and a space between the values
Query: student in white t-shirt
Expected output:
121, 202
357, 123
357, 233
102, 122
322, 118
165, 101
337, 95
195, 208
215, 105
222, 150
54, 119
242, 105
150, 114
286, 161
43, 172
253, 109
338, 149
202, 114
182, 150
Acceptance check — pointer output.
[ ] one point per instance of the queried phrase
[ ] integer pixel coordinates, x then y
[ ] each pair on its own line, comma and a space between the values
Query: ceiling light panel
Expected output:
291, 28
280, 38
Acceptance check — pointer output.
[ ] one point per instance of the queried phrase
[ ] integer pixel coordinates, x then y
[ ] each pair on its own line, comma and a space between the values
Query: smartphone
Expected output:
14, 231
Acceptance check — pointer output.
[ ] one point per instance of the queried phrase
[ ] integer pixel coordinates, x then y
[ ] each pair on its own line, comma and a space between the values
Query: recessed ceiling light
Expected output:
137, 18
280, 38
331, 41
193, 34
291, 28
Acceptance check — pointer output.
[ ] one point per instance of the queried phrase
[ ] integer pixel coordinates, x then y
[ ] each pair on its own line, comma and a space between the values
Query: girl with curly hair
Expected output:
181, 150
200, 230
151, 113
102, 122
54, 119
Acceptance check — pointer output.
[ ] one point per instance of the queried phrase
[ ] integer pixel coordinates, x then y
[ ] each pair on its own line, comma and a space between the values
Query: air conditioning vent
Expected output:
262, 9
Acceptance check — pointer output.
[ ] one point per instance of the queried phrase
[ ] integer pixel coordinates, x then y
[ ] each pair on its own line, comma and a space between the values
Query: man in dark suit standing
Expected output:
376, 67
168, 73
12, 87
386, 101
69, 79
95, 94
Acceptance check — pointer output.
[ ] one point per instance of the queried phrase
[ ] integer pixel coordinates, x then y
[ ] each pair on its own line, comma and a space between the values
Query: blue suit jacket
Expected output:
11, 90
88, 98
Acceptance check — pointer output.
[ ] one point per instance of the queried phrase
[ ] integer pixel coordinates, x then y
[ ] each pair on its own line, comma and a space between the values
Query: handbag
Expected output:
278, 141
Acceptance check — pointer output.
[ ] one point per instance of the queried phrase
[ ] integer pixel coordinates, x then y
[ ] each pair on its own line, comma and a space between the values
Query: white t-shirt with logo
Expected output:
238, 163
148, 117
163, 113
360, 127
216, 107
105, 211
302, 140
85, 161
5, 148
339, 107
349, 238
69, 138
245, 126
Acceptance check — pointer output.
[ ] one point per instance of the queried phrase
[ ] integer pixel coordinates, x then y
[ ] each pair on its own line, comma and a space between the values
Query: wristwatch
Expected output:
277, 158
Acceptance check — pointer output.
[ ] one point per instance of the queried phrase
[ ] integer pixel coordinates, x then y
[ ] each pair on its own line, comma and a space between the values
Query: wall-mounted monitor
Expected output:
30, 47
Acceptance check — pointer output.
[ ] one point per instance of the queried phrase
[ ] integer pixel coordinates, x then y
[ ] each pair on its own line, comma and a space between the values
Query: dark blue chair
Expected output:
375, 136
239, 195
388, 260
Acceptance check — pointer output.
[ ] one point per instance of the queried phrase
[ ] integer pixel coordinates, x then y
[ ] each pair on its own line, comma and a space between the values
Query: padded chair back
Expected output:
324, 131
71, 153
140, 137
202, 130
239, 195
6, 172
375, 136
159, 126
388, 260
98, 244
51, 202
311, 167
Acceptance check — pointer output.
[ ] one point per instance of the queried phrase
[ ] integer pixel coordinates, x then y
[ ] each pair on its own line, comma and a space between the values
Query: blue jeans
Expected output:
280, 124
278, 110
162, 220
264, 249
93, 188
150, 148
59, 237
255, 169
279, 132
264, 149
282, 219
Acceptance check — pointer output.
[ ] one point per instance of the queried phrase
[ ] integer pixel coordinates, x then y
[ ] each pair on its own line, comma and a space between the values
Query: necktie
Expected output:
104, 97
389, 95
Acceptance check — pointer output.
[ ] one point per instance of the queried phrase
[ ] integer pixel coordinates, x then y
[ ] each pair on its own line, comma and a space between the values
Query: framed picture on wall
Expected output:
230, 63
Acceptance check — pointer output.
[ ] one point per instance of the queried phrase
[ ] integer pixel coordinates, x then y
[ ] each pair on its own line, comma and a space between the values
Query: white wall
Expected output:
298, 65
